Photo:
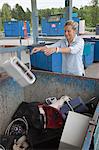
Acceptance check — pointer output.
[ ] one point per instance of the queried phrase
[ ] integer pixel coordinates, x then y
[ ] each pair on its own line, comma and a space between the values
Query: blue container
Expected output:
96, 51
96, 47
54, 62
28, 27
54, 25
88, 54
16, 28
50, 63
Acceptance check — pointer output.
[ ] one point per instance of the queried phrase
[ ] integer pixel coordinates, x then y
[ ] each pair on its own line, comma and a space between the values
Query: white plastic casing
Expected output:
19, 71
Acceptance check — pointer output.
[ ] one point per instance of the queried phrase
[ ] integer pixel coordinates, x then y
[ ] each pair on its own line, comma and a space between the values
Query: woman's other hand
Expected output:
49, 51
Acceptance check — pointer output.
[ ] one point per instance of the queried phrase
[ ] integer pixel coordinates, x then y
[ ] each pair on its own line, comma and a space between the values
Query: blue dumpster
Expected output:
54, 24
16, 28
48, 84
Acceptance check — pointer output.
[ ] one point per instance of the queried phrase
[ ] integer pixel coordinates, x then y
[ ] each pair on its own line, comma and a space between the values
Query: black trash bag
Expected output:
38, 136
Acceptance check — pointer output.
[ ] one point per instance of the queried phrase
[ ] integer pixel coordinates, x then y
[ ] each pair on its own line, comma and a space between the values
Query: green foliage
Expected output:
6, 12
95, 15
18, 13
47, 12
95, 2
28, 15
0, 22
43, 13
90, 14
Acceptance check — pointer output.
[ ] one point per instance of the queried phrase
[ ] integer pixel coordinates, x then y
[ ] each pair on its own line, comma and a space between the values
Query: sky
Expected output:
43, 4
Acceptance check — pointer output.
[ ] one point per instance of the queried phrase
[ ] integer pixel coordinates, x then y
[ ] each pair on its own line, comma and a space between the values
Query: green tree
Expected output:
85, 14
43, 13
28, 15
13, 12
95, 12
95, 2
0, 21
6, 12
48, 12
18, 12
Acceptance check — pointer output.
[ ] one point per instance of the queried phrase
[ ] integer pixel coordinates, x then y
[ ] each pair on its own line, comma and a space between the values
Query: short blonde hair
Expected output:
71, 23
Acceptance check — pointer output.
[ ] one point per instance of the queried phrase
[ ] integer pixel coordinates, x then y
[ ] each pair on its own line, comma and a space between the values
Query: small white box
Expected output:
19, 71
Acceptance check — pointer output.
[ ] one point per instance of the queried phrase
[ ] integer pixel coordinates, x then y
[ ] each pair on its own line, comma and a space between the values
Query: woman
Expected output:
71, 48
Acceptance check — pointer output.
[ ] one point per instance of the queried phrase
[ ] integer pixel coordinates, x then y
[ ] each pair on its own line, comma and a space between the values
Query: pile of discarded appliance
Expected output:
46, 125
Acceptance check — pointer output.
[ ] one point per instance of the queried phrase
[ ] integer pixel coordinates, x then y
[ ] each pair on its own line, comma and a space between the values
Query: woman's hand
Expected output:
37, 49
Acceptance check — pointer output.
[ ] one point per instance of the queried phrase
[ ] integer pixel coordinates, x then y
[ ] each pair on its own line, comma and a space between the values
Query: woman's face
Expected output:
69, 32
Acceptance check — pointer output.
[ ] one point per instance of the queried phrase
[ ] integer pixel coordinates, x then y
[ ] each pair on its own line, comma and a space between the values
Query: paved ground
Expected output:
93, 70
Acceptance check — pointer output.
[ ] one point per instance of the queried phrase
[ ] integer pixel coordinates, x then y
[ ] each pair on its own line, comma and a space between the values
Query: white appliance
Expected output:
19, 71
74, 131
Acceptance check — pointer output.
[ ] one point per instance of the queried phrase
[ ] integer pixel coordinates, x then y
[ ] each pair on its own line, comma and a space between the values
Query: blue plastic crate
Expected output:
50, 63
88, 54
54, 61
